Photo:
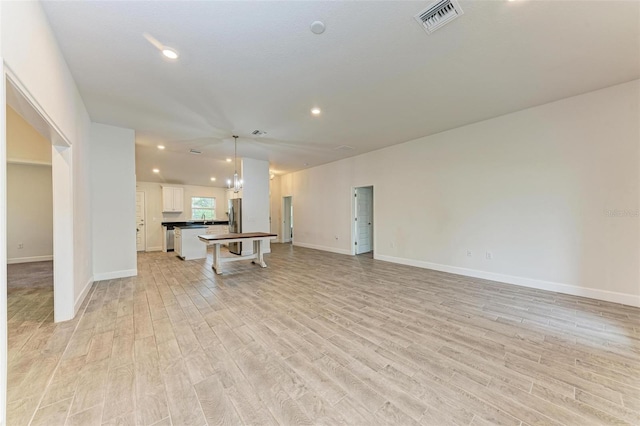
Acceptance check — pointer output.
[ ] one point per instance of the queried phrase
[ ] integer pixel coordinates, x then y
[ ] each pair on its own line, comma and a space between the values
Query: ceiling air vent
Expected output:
438, 14
259, 133
344, 148
195, 151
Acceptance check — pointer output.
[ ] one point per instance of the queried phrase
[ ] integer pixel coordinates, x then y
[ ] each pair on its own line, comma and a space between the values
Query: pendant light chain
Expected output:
237, 184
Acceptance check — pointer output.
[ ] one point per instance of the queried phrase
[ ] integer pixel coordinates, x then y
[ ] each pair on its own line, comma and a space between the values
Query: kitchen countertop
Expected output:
192, 224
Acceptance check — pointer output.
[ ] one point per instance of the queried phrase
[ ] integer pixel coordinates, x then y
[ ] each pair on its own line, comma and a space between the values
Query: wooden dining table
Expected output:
216, 240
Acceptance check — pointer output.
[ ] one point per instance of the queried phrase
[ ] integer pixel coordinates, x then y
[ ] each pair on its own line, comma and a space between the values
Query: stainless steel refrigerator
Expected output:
235, 223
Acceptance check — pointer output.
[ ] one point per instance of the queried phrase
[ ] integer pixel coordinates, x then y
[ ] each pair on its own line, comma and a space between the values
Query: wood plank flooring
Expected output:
321, 338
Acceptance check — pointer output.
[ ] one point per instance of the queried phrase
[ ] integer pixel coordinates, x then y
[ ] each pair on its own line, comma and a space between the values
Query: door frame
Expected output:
354, 235
289, 238
144, 219
64, 299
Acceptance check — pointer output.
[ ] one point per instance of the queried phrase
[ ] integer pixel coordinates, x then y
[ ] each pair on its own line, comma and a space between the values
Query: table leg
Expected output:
258, 251
216, 258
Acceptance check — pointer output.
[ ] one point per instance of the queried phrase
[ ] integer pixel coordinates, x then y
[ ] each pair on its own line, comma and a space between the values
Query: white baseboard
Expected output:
82, 296
324, 248
30, 259
115, 274
609, 296
154, 249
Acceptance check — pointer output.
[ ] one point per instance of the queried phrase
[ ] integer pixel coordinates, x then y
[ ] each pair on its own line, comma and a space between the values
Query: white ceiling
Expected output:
378, 77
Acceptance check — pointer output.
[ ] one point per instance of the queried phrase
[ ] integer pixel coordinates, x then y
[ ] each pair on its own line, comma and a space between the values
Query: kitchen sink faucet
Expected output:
204, 219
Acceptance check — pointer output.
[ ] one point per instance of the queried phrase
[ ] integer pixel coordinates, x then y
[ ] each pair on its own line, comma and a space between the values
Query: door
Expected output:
287, 220
140, 228
364, 219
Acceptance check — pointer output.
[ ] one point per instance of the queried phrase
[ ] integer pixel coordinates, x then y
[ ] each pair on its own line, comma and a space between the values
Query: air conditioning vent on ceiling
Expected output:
438, 14
259, 132
344, 148
195, 151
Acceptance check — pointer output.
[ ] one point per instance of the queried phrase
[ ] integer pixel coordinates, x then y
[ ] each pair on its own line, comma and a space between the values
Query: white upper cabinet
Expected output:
172, 199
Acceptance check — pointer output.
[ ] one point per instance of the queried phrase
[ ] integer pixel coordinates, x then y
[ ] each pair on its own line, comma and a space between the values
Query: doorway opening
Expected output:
29, 224
363, 220
141, 232
287, 219
59, 160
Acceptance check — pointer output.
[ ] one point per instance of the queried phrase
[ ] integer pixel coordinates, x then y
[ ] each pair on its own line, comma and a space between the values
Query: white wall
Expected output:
275, 200
27, 47
113, 204
255, 200
154, 215
29, 213
29, 192
531, 187
3, 237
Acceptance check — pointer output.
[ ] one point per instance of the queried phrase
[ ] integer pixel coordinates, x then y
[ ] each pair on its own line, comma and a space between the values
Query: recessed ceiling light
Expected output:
213, 179
317, 27
156, 170
315, 111
170, 53
160, 146
228, 160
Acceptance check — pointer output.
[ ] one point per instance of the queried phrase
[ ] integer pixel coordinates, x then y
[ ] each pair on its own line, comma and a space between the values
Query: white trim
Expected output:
144, 217
23, 162
282, 219
323, 248
609, 296
30, 259
154, 248
115, 274
26, 94
3, 244
82, 296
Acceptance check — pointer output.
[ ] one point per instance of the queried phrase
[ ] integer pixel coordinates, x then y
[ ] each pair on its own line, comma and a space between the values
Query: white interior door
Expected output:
140, 228
287, 213
364, 220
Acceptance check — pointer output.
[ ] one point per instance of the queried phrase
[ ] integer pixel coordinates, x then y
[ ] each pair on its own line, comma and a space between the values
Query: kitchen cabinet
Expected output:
217, 229
230, 195
172, 199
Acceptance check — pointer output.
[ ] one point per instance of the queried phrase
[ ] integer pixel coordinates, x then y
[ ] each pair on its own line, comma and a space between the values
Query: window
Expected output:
203, 206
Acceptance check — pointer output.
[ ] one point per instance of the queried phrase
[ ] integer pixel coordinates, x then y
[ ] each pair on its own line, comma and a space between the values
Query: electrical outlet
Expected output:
489, 255
20, 245
469, 254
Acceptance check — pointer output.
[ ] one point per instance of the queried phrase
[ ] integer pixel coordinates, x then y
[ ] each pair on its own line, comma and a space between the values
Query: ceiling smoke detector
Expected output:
438, 14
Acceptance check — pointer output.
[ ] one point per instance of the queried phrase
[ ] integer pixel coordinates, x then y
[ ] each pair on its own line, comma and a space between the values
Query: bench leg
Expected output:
257, 248
216, 259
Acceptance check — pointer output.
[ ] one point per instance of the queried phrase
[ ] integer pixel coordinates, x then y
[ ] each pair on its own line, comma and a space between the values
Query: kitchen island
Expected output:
168, 230
186, 243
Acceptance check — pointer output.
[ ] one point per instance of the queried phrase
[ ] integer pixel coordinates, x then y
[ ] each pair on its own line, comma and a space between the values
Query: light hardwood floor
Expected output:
321, 338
